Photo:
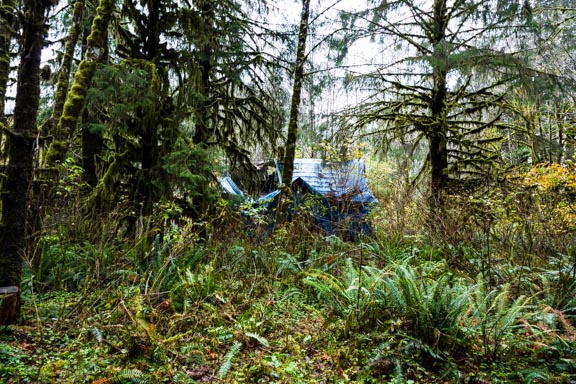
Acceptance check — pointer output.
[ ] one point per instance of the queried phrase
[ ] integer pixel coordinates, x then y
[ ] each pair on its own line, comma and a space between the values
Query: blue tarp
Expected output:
230, 187
336, 194
341, 180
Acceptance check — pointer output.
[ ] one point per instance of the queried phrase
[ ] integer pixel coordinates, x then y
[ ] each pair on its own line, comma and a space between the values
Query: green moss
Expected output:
76, 97
72, 111
100, 23
64, 76
56, 152
49, 372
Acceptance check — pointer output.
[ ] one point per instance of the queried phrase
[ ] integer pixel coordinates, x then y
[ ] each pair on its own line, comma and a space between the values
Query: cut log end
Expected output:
9, 305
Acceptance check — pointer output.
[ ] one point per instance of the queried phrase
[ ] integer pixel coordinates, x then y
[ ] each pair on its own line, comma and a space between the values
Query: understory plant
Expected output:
426, 302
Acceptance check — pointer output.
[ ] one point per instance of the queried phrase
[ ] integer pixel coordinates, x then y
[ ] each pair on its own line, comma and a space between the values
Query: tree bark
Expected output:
292, 138
439, 127
19, 168
203, 130
92, 139
146, 192
6, 34
66, 69
92, 146
76, 98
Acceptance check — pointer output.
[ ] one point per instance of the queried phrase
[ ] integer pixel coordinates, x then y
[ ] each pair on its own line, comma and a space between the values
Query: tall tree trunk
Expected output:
439, 165
92, 140
66, 68
76, 97
291, 139
203, 130
437, 132
146, 191
6, 25
92, 146
19, 169
560, 124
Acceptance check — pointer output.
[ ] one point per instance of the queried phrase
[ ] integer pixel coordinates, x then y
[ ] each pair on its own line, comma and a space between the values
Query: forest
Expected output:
138, 137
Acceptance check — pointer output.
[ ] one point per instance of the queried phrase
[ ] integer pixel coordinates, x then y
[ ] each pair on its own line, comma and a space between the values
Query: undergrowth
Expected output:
488, 299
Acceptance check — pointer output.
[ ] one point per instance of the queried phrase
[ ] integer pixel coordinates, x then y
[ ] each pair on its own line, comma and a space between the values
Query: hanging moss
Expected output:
103, 195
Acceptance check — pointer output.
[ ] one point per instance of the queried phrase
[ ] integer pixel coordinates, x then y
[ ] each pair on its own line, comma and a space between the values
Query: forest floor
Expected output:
483, 298
264, 315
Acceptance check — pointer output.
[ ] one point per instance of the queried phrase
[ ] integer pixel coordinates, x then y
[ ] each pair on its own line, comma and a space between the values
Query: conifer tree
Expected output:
19, 168
229, 71
444, 77
211, 85
541, 109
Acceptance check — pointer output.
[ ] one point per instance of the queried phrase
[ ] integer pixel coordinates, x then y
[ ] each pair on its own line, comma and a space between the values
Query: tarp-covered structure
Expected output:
336, 194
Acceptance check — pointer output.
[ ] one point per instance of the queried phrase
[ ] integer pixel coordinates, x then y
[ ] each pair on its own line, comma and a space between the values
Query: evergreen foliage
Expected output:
455, 63
131, 266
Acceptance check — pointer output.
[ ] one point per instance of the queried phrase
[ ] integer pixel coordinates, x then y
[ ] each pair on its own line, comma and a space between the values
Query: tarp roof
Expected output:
334, 183
334, 179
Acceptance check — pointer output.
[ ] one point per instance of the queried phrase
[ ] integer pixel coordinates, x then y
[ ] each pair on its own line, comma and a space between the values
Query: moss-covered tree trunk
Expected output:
6, 34
291, 139
66, 69
19, 168
76, 98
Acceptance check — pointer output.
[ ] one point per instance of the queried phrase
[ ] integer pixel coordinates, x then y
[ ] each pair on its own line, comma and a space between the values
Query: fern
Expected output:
557, 287
534, 375
495, 318
331, 290
287, 262
430, 305
134, 376
429, 301
350, 295
390, 293
195, 287
291, 293
229, 359
398, 374
263, 341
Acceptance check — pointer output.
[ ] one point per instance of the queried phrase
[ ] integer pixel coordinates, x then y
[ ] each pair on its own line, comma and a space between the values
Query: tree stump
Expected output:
9, 304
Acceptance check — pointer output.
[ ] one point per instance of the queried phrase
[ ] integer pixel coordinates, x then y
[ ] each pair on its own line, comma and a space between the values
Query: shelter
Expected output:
335, 194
